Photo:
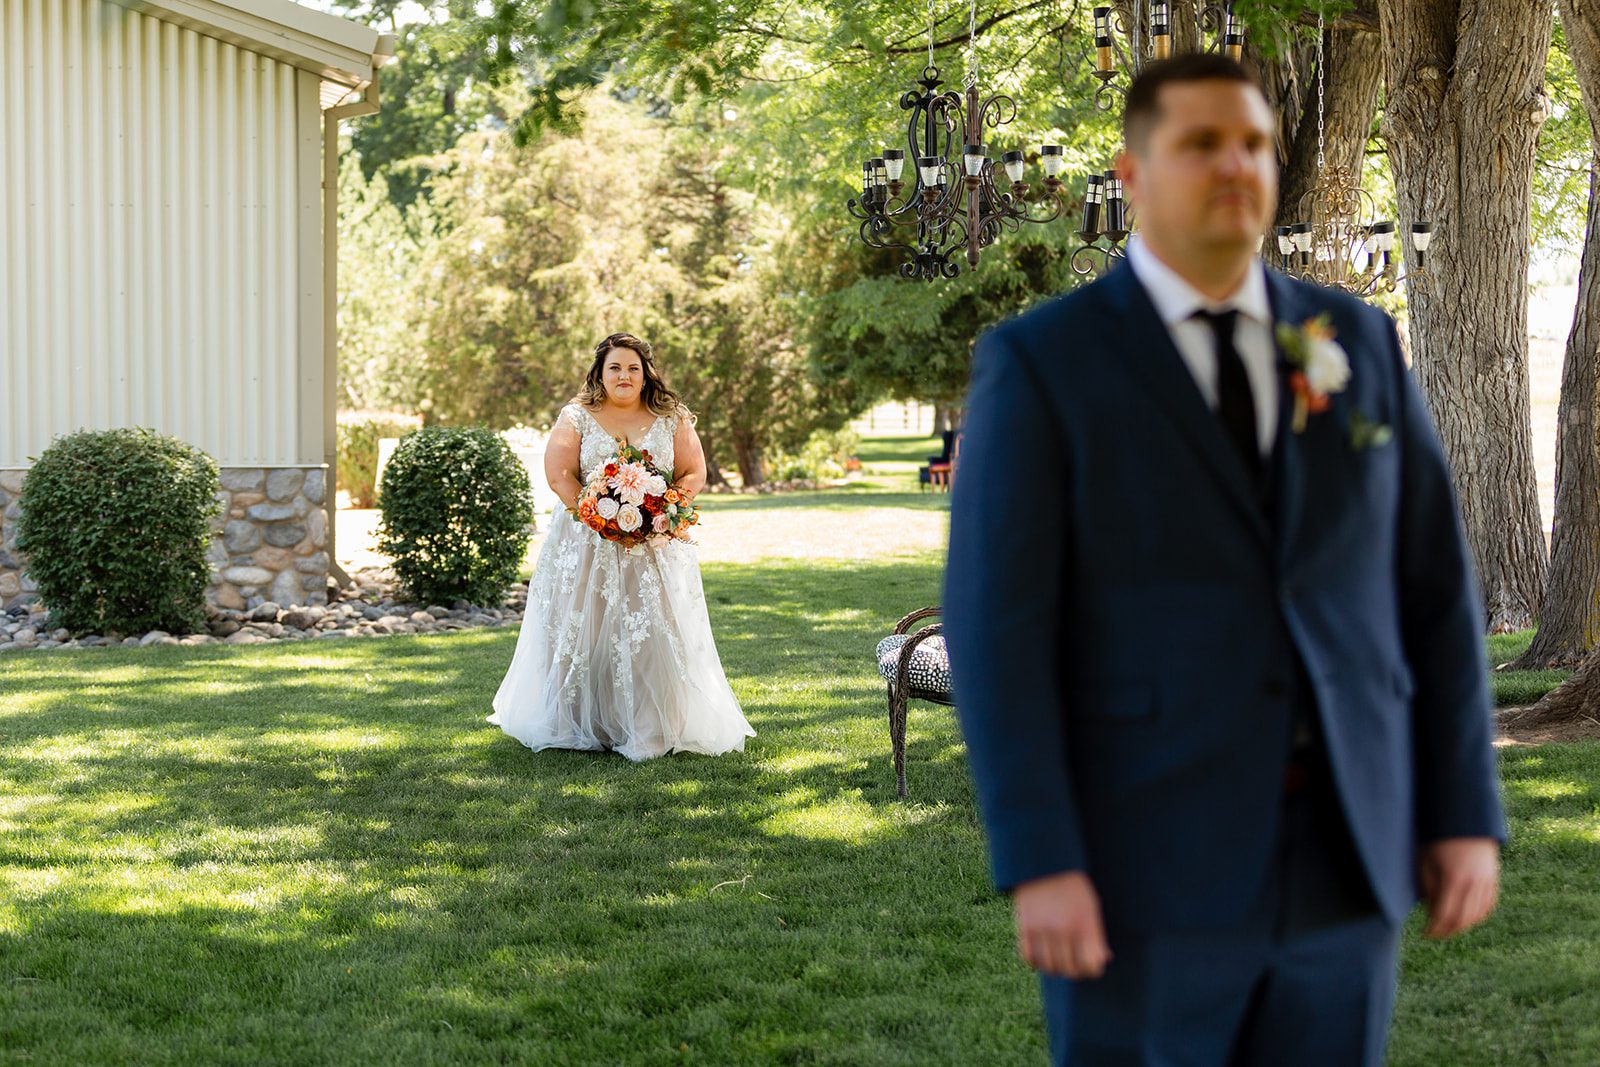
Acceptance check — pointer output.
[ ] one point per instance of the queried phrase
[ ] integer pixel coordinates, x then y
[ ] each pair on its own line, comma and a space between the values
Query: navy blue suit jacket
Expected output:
1123, 614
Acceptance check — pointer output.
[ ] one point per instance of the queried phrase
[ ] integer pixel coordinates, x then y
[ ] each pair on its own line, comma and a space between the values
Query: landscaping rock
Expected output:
369, 607
247, 577
284, 534
284, 483
241, 536
315, 486
270, 512
241, 479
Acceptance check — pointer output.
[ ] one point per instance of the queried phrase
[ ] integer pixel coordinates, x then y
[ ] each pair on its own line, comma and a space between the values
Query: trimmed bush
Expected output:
456, 511
825, 456
359, 433
115, 525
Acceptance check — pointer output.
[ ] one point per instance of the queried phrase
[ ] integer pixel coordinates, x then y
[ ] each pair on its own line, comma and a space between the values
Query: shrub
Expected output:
456, 509
825, 456
115, 525
359, 433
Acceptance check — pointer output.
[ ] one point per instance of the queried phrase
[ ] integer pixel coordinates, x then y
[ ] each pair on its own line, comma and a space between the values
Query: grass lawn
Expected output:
320, 853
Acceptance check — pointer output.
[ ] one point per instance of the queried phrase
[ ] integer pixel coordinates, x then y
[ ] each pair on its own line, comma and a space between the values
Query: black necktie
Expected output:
1235, 405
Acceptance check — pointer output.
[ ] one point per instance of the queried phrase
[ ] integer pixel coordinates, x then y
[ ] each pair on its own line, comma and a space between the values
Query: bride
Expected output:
616, 649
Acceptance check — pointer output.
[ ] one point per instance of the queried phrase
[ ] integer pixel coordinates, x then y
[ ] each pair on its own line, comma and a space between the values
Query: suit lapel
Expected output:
1154, 358
1290, 304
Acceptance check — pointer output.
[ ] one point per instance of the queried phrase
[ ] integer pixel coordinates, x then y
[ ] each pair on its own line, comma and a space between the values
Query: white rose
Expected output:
655, 485
607, 507
629, 518
1327, 366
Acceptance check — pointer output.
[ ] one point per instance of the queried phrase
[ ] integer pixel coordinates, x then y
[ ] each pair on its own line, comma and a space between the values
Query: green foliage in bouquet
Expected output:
456, 509
115, 525
359, 433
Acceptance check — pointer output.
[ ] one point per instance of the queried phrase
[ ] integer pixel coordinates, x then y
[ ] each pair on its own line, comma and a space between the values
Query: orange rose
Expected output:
673, 496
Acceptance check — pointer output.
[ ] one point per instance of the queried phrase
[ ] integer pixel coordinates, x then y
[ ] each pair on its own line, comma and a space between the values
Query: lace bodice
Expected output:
599, 446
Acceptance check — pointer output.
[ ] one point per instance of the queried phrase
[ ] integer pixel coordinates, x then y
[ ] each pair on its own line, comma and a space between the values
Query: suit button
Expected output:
1275, 689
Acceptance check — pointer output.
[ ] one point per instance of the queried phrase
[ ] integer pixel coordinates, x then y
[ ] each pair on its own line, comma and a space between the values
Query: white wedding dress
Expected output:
616, 649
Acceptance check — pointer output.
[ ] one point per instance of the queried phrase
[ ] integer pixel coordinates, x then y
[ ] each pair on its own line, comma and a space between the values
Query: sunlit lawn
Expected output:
321, 854
307, 854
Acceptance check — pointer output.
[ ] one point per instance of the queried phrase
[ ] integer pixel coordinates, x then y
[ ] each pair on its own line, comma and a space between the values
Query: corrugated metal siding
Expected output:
150, 227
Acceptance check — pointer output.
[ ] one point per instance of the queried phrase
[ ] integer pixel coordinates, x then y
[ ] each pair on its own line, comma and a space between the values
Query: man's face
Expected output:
1206, 175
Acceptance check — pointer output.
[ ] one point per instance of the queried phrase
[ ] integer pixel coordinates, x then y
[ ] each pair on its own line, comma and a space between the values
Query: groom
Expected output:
1214, 630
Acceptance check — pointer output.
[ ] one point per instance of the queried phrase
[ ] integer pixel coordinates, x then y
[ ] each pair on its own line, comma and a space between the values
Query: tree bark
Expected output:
714, 475
1569, 622
747, 451
1464, 102
1355, 73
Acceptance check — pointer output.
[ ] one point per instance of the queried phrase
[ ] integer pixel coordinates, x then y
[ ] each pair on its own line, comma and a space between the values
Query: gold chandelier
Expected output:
1332, 245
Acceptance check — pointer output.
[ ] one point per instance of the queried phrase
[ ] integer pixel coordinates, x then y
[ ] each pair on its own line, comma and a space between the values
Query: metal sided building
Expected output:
166, 255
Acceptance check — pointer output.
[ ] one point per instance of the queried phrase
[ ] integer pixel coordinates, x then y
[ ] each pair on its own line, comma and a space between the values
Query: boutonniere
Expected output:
1321, 367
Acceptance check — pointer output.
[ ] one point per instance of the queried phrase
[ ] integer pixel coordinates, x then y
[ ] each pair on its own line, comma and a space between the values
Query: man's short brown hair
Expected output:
1143, 109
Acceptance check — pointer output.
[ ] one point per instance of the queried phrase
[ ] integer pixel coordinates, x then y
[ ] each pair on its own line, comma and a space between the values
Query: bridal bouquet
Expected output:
632, 502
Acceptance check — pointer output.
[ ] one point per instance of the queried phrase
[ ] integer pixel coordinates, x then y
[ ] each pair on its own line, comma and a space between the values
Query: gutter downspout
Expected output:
367, 105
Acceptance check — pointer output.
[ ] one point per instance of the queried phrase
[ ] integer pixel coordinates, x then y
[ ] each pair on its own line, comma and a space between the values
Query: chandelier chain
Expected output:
1321, 90
972, 45
930, 33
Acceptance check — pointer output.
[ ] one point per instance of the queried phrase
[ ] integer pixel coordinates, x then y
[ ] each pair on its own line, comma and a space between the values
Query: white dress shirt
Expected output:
1176, 301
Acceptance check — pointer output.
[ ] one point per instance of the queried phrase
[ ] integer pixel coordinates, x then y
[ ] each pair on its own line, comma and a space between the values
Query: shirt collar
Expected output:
1177, 300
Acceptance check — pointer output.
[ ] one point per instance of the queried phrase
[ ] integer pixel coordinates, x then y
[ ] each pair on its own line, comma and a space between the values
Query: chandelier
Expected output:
1332, 245
1146, 26
1132, 32
953, 203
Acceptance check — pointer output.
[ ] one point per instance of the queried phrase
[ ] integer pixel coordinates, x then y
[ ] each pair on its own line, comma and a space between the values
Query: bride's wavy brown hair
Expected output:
655, 394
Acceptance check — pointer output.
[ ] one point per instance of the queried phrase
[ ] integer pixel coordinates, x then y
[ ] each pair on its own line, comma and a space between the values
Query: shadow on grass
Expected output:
322, 854
842, 499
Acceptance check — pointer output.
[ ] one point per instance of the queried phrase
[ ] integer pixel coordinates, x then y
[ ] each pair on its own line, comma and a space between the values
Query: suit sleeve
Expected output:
1457, 786
1003, 615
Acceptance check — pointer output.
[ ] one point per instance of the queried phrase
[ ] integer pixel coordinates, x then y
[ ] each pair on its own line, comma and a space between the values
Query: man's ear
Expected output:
1127, 167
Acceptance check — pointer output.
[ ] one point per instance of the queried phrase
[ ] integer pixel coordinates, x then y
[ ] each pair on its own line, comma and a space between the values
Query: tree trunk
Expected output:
714, 475
1569, 623
941, 419
747, 450
1464, 102
1355, 73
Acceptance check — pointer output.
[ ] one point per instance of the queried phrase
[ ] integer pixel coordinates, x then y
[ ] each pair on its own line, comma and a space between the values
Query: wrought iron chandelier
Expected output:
1136, 31
1127, 34
953, 204
1333, 246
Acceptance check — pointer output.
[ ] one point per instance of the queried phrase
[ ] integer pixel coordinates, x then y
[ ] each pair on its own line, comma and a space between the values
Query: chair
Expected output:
937, 473
915, 666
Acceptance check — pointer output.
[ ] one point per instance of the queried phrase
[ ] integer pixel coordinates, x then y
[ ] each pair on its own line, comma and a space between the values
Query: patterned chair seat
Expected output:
914, 666
929, 670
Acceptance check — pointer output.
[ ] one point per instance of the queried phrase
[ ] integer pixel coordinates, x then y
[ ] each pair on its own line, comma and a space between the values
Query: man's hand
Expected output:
1460, 883
1059, 931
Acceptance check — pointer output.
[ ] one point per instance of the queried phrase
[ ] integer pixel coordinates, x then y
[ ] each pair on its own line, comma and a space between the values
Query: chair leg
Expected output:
897, 738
